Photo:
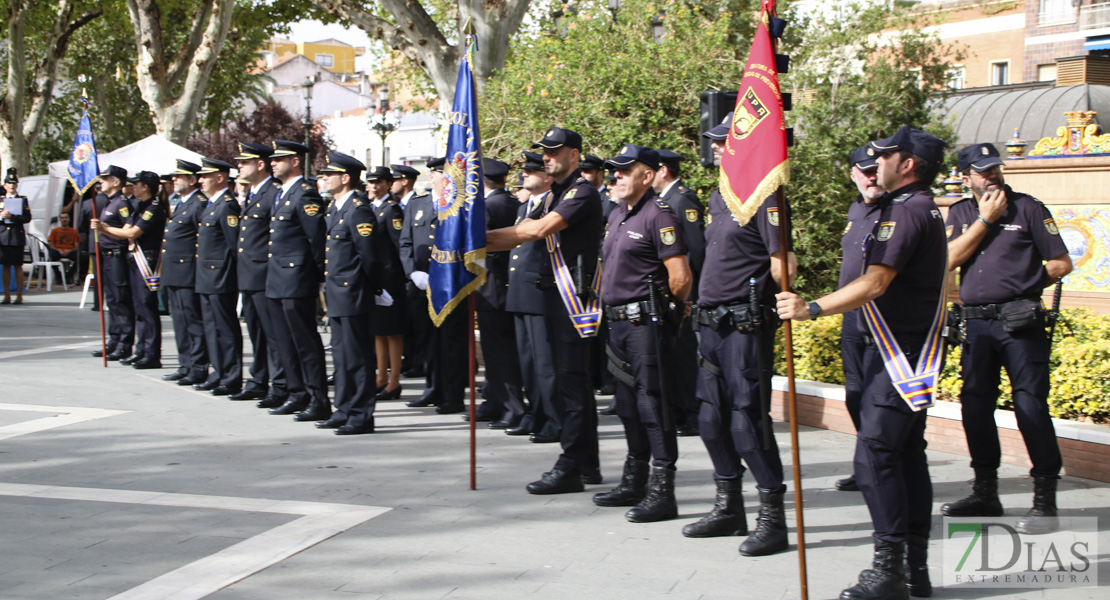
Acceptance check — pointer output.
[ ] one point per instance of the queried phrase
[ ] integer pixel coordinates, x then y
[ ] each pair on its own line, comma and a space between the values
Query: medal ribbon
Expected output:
585, 318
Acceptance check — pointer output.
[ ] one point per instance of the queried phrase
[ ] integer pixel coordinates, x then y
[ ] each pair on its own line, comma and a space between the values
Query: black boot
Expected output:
983, 501
632, 488
885, 579
917, 569
727, 516
659, 505
769, 536
1041, 518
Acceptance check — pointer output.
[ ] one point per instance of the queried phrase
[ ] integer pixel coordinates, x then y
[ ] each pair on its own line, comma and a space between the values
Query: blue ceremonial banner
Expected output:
459, 255
83, 169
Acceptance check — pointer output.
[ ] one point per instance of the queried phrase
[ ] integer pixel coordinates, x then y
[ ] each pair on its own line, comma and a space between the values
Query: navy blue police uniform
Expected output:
13, 237
390, 320
179, 276
294, 272
416, 331
418, 235
267, 376
117, 212
599, 372
150, 217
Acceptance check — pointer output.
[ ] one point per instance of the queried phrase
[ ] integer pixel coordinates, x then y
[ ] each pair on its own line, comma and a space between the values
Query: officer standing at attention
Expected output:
593, 171
418, 235
350, 284
643, 248
862, 214
267, 377
179, 276
904, 262
574, 218
391, 316
115, 211
294, 272
684, 202
143, 234
217, 282
415, 340
734, 333
1008, 250
13, 238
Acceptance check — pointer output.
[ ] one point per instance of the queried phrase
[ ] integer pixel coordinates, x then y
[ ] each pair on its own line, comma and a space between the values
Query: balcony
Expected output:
1094, 16
1057, 16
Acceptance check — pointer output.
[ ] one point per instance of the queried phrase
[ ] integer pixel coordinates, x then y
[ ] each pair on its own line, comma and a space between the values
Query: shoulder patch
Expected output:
365, 229
397, 224
311, 209
886, 231
232, 221
948, 230
773, 216
901, 199
571, 193
1050, 225
124, 212
147, 215
306, 186
661, 203
692, 215
667, 236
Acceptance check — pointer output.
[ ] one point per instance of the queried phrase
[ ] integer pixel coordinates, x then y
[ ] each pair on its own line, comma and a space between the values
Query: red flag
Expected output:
755, 160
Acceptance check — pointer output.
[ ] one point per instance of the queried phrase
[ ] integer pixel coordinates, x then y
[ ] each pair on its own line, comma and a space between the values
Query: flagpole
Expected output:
471, 366
96, 259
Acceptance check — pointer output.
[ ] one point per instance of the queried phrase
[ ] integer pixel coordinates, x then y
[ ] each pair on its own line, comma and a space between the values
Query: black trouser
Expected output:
503, 387
890, 465
148, 325
851, 357
640, 406
573, 392
418, 334
448, 360
731, 417
188, 330
685, 375
537, 371
301, 351
223, 338
266, 369
117, 297
352, 353
987, 348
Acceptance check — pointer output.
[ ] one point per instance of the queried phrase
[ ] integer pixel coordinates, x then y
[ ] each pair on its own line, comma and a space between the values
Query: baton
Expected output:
655, 314
764, 386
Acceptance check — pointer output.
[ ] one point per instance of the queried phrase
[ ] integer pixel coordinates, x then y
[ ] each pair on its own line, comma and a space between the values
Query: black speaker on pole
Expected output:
714, 106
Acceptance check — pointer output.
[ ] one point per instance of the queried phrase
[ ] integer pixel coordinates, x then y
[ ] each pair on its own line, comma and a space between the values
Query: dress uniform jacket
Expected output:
686, 206
217, 246
295, 267
501, 208
150, 216
254, 237
418, 234
12, 234
352, 273
392, 320
179, 246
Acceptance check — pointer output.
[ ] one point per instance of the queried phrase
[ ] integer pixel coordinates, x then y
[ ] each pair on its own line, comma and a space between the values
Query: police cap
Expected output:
914, 141
404, 172
863, 158
668, 158
979, 157
249, 151
436, 164
534, 161
287, 148
112, 171
557, 137
494, 169
343, 163
185, 167
379, 174
590, 162
13, 175
720, 132
148, 178
631, 153
213, 165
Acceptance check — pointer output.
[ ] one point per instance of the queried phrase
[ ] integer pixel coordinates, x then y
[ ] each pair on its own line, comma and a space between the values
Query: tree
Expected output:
28, 94
270, 121
427, 33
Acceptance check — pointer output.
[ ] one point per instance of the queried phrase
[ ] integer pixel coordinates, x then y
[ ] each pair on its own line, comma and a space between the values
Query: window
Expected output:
1000, 72
325, 60
957, 77
1046, 72
1056, 12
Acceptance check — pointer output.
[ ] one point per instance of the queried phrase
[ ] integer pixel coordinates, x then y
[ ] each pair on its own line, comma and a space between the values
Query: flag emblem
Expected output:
364, 229
311, 209
1050, 225
667, 235
232, 221
749, 113
886, 231
692, 215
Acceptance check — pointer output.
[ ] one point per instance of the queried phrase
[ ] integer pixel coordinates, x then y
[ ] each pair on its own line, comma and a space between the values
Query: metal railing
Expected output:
1094, 16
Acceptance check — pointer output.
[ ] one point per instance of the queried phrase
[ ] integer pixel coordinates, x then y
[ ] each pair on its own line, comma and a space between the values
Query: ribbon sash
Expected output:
152, 279
586, 318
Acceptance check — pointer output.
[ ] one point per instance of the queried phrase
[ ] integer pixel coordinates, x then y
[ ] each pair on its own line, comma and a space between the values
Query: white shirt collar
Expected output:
668, 188
341, 201
537, 200
255, 188
408, 196
288, 185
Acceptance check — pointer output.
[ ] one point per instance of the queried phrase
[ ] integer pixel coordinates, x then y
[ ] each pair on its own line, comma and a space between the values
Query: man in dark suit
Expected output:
253, 163
217, 283
179, 249
418, 235
294, 272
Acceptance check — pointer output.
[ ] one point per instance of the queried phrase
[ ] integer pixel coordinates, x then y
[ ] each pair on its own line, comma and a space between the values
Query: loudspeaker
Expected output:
714, 106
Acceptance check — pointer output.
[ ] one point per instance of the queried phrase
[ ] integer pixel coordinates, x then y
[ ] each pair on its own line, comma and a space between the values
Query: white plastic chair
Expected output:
39, 256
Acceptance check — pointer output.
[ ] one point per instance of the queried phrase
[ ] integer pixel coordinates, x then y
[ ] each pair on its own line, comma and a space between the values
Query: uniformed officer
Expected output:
685, 203
267, 376
415, 340
861, 214
904, 262
351, 281
543, 418
143, 234
593, 171
217, 281
391, 316
503, 388
1008, 250
737, 329
418, 234
179, 276
15, 211
574, 217
294, 272
643, 248
115, 211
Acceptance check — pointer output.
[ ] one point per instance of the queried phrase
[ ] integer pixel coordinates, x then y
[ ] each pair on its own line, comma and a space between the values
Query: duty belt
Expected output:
116, 252
986, 311
724, 316
633, 311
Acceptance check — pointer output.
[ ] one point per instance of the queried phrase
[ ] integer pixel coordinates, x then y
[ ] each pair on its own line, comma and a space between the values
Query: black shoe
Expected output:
327, 348
607, 390
479, 417
660, 503
352, 430
1042, 518
727, 516
330, 423
499, 424
608, 412
247, 395
848, 484
556, 482
206, 386
223, 390
592, 476
632, 487
290, 407
99, 353
388, 395
120, 354
314, 414
450, 409
687, 431
421, 402
413, 373
983, 501
130, 360
885, 579
539, 438
189, 381
769, 536
148, 362
917, 567
175, 376
270, 402
331, 379
518, 431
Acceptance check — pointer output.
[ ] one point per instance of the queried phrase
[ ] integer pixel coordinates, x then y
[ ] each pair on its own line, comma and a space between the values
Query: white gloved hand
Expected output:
383, 299
419, 279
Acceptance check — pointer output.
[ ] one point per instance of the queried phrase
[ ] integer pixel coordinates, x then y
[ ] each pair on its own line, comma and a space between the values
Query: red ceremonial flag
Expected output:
755, 161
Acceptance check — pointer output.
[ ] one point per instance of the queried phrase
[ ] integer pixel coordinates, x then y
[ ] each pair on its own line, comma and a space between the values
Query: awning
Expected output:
1099, 43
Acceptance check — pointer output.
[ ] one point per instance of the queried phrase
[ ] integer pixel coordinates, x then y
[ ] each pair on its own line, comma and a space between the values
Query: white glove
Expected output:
383, 299
419, 279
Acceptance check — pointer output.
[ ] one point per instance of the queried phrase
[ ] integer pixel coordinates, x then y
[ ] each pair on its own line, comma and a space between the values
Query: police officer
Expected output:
294, 272
15, 211
861, 214
685, 203
643, 248
267, 377
593, 170
904, 271
415, 344
143, 234
524, 300
503, 387
418, 235
217, 283
350, 283
1008, 249
737, 341
574, 216
115, 212
391, 316
179, 276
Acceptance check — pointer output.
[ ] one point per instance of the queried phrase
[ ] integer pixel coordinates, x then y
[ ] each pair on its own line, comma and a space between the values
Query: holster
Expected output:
619, 368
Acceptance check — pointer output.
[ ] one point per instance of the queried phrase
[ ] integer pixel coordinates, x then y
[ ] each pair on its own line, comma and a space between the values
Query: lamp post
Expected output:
306, 88
384, 121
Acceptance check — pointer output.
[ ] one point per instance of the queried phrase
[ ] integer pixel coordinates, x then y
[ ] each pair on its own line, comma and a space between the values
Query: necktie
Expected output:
277, 202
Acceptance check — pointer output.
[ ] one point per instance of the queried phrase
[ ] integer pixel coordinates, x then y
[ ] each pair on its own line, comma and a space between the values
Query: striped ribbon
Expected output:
586, 318
153, 279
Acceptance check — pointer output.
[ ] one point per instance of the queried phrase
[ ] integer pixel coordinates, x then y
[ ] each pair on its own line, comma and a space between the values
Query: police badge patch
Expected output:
773, 216
666, 235
147, 215
311, 209
232, 221
692, 215
948, 230
365, 229
886, 231
419, 214
397, 224
124, 212
1050, 225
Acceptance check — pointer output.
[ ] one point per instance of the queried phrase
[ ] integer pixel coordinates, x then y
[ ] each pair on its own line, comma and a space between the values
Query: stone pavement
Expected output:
116, 484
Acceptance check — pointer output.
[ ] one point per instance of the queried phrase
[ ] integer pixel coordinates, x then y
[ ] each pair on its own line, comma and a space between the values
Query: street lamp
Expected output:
384, 121
306, 88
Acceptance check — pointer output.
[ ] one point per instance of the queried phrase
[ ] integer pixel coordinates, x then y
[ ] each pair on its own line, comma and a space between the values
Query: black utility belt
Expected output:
1016, 315
727, 316
633, 311
116, 252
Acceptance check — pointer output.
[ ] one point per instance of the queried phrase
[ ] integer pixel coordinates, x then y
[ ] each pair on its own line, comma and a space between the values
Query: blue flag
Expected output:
83, 168
459, 255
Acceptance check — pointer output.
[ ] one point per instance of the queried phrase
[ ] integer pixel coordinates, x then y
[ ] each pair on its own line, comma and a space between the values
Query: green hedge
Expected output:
1080, 364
